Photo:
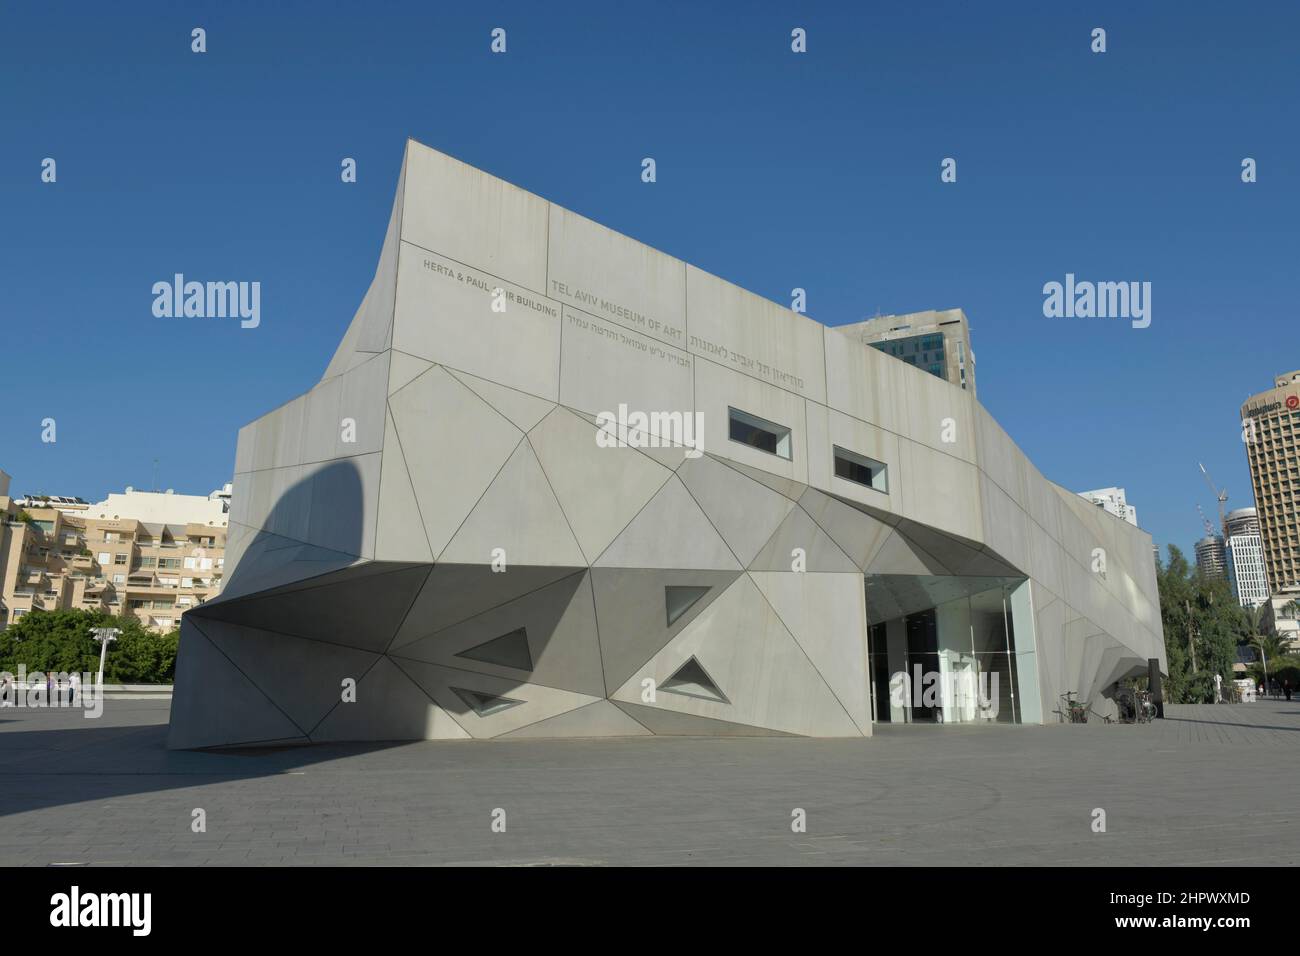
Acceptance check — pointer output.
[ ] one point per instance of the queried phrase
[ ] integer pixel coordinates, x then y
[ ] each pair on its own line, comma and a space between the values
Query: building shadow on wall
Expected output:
315, 527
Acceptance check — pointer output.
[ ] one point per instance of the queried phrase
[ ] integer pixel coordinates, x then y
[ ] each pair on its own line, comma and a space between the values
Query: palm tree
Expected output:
1256, 615
1271, 645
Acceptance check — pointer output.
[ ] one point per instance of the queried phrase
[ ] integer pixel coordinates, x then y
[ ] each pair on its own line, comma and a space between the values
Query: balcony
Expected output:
28, 600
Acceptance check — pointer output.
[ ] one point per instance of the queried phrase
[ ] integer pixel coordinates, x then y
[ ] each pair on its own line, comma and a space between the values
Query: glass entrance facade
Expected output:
950, 649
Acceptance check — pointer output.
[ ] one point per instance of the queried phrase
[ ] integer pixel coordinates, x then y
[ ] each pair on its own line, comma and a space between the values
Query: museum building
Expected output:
556, 483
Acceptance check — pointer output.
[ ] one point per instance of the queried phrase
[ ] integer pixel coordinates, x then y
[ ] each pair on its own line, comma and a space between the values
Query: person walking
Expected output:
1286, 688
74, 685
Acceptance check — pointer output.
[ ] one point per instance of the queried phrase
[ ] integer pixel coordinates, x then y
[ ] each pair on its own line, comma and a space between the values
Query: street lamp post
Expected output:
104, 635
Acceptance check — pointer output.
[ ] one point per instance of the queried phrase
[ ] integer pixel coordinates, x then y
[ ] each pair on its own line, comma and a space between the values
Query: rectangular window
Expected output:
860, 469
105, 557
119, 559
759, 433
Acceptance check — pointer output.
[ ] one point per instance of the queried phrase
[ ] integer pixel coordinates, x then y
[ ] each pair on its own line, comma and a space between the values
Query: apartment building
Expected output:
148, 555
1112, 501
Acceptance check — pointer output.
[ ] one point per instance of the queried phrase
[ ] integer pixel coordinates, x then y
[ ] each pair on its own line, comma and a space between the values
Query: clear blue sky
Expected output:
775, 170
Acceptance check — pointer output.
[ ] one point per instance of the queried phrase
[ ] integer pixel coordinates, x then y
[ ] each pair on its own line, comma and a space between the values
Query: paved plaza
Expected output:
1208, 785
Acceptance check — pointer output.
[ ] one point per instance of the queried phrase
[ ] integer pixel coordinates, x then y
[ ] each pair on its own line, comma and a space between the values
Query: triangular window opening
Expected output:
680, 599
691, 680
508, 650
484, 704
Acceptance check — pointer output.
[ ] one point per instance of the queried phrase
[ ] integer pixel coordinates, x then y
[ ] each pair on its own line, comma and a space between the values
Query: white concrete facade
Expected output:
374, 554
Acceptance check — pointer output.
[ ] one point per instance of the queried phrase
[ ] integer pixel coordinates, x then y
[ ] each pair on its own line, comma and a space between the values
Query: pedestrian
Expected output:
74, 684
1286, 688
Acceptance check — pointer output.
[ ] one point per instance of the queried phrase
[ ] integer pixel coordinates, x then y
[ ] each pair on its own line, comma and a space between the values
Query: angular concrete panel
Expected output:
631, 612
574, 464
858, 533
362, 612
523, 410
598, 719
799, 531
494, 526
389, 706
535, 703
304, 678
745, 512
397, 537
819, 610
454, 445
669, 532
457, 592
244, 715
748, 652
555, 623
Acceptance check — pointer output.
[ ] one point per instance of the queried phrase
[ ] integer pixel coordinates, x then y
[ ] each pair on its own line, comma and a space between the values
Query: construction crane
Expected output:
1221, 495
1209, 528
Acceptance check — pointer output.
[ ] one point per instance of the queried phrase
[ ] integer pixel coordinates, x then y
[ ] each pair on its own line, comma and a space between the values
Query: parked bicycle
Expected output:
1146, 708
1135, 706
1072, 710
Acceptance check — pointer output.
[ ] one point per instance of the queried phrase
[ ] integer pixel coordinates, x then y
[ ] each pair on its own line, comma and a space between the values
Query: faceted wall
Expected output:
437, 522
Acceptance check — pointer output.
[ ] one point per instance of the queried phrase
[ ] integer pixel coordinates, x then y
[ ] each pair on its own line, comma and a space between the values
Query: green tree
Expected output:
1203, 624
61, 641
